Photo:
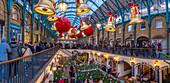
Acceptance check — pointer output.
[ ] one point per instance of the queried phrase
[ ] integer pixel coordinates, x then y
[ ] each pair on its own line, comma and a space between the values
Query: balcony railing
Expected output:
132, 52
24, 69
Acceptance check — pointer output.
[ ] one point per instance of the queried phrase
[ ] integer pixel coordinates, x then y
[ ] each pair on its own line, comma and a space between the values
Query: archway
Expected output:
129, 40
160, 39
166, 75
141, 40
112, 63
145, 73
2, 19
119, 41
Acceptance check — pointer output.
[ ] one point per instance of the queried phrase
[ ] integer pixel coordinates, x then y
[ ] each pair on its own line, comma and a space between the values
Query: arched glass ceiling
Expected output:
71, 9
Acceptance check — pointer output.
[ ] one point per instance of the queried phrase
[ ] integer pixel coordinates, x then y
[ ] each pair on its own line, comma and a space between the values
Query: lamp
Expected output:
82, 7
62, 6
98, 25
45, 7
52, 17
155, 64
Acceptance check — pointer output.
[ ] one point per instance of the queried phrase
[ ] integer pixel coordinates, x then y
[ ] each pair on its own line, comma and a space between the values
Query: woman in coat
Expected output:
4, 50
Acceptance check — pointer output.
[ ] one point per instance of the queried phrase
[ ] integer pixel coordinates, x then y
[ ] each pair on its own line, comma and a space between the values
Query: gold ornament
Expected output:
82, 7
110, 26
53, 26
52, 17
83, 25
45, 7
135, 14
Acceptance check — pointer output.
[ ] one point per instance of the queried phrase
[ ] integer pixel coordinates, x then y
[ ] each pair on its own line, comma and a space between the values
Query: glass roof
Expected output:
71, 9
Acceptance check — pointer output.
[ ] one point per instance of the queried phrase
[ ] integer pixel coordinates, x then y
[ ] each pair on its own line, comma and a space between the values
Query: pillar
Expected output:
102, 35
114, 39
107, 63
157, 74
108, 38
32, 23
133, 69
167, 22
134, 33
23, 22
8, 23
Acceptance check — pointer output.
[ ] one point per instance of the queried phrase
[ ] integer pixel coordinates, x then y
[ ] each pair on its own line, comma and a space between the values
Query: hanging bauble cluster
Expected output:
110, 26
72, 30
89, 31
83, 25
135, 14
82, 7
62, 24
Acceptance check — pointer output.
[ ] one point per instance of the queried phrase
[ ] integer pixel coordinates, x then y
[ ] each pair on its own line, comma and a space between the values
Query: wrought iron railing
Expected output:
128, 51
24, 69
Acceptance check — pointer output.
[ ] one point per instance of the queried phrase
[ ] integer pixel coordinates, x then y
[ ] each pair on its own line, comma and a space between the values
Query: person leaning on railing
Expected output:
4, 50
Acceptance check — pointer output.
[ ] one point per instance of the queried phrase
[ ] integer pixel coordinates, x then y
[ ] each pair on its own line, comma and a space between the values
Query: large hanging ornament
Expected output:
62, 24
72, 30
135, 14
57, 33
110, 26
45, 7
73, 35
89, 31
79, 34
82, 7
83, 25
52, 17
53, 26
61, 35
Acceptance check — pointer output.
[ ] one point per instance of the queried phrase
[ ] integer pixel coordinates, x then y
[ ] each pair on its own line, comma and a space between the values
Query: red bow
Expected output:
54, 4
80, 21
109, 14
135, 7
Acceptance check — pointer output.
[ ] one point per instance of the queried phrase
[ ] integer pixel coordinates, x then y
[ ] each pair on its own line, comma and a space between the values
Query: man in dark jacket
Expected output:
16, 53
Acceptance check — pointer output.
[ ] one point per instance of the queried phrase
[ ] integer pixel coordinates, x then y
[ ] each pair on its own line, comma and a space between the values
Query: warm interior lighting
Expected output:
98, 25
45, 7
62, 6
54, 68
52, 18
155, 64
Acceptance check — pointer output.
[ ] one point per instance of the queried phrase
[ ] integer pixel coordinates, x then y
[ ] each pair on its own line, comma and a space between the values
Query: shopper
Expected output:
16, 52
4, 50
160, 50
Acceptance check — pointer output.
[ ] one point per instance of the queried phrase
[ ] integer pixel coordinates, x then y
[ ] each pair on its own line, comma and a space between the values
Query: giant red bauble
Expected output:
79, 35
63, 24
89, 31
73, 35
60, 35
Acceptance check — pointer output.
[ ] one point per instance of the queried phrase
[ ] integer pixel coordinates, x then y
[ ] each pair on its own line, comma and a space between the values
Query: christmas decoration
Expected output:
53, 26
45, 7
166, 57
72, 30
62, 24
82, 7
110, 26
73, 35
79, 34
83, 25
61, 35
89, 31
135, 14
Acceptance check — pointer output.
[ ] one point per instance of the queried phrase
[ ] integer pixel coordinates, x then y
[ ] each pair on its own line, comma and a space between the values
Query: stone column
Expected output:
157, 74
133, 69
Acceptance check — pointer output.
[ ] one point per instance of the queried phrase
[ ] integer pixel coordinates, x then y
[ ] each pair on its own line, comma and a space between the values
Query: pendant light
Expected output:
62, 6
82, 7
98, 25
45, 7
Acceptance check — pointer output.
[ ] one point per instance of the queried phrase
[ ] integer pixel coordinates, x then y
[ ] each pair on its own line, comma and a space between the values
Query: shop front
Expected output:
27, 33
141, 40
160, 40
15, 32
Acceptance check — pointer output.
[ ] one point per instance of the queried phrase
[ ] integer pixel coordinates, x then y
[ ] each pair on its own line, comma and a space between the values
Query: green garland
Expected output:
166, 57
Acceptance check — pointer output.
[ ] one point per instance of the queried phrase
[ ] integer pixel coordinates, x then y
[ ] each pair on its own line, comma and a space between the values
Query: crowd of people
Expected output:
145, 49
15, 50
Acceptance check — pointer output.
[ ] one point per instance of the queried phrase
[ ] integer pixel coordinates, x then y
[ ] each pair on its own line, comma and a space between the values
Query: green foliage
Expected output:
58, 74
166, 57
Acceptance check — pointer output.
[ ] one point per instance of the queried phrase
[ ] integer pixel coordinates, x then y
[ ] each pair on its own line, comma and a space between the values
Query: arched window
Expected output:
14, 13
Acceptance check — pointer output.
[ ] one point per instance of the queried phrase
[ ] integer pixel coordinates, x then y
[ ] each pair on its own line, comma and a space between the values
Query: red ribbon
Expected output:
135, 7
109, 14
80, 21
